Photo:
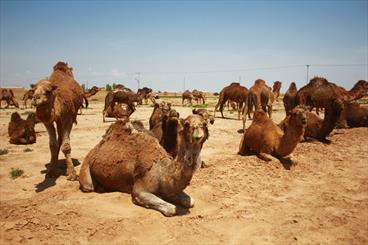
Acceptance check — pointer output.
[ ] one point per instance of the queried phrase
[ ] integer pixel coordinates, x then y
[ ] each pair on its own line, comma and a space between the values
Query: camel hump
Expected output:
259, 82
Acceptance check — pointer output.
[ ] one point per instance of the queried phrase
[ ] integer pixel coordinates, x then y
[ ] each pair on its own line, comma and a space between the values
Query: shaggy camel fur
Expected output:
120, 111
234, 92
276, 89
57, 100
9, 98
321, 93
188, 96
27, 96
265, 138
145, 93
353, 115
143, 168
205, 114
199, 96
290, 98
22, 131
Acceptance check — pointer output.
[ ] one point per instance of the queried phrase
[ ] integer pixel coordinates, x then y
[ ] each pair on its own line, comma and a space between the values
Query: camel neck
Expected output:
290, 139
45, 112
188, 155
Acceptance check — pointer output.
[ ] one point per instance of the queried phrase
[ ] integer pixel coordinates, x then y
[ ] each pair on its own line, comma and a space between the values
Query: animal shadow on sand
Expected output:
48, 182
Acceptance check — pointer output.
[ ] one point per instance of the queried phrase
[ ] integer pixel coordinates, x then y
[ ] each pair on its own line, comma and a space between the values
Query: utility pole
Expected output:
308, 73
138, 79
184, 85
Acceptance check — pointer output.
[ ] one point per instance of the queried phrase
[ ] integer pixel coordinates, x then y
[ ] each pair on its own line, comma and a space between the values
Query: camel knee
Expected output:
85, 179
65, 147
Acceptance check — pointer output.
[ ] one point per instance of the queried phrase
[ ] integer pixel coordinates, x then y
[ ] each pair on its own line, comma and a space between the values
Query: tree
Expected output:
84, 87
108, 87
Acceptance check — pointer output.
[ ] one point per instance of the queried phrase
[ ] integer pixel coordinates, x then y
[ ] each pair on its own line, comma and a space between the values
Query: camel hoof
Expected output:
170, 211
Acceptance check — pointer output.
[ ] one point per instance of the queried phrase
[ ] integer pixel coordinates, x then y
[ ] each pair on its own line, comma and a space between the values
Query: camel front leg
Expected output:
266, 157
54, 148
149, 200
182, 199
269, 108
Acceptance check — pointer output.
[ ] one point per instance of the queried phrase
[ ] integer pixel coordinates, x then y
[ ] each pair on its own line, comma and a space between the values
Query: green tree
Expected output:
108, 87
113, 86
84, 87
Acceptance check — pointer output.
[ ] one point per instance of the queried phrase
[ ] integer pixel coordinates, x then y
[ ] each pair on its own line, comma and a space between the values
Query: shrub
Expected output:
4, 151
27, 150
16, 172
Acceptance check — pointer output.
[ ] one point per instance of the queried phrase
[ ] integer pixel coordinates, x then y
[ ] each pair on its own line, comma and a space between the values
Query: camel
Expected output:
321, 93
22, 131
143, 168
145, 93
9, 98
205, 114
188, 96
234, 92
290, 98
159, 110
57, 100
353, 115
121, 96
261, 96
264, 138
94, 90
313, 128
276, 89
199, 96
27, 96
119, 112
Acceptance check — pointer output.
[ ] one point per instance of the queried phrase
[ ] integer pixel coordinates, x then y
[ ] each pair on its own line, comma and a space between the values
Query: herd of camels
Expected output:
155, 165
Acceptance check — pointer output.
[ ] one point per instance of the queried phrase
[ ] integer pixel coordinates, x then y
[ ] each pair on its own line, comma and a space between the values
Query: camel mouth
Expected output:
304, 122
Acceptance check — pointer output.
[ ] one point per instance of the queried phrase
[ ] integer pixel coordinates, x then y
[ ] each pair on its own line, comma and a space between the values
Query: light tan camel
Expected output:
264, 138
57, 100
143, 168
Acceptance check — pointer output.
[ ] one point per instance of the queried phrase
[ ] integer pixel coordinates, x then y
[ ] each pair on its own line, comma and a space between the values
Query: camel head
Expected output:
205, 114
276, 86
360, 89
15, 117
44, 92
299, 116
194, 129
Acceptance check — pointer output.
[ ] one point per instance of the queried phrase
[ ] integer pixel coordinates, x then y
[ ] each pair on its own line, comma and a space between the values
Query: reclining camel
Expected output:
143, 168
159, 110
22, 131
234, 92
353, 115
57, 100
290, 98
264, 138
205, 114
9, 98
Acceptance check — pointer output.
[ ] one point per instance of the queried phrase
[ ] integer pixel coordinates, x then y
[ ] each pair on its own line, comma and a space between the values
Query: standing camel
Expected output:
57, 100
9, 98
234, 92
27, 96
290, 98
199, 96
276, 89
188, 96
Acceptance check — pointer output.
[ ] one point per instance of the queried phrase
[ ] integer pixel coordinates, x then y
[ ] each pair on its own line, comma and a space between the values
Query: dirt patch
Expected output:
239, 200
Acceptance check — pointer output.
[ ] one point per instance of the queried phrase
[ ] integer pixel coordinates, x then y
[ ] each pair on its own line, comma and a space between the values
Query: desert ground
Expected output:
321, 199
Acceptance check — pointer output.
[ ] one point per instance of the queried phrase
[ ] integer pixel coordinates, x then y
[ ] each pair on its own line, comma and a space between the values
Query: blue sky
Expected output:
206, 43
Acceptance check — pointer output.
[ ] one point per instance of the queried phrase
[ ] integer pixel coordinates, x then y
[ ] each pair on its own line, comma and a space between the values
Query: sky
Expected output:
177, 45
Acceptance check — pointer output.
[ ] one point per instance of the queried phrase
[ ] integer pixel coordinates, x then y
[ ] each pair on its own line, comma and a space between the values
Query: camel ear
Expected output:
53, 87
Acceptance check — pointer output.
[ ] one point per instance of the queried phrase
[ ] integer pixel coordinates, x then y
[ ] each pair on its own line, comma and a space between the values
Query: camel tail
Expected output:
250, 103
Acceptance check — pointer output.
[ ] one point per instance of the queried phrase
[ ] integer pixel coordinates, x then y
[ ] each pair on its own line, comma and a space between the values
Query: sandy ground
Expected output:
323, 199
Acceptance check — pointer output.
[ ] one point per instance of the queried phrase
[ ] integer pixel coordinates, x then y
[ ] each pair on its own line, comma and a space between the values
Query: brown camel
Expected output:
57, 100
265, 138
313, 128
9, 98
187, 96
27, 96
143, 168
321, 93
205, 114
276, 89
159, 110
261, 96
145, 93
119, 112
121, 96
234, 92
353, 115
22, 131
94, 90
290, 98
199, 96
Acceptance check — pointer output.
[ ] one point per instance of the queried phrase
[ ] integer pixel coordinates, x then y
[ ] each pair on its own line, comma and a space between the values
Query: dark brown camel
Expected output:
353, 115
145, 93
119, 112
276, 89
321, 93
9, 98
187, 96
290, 98
234, 92
121, 96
